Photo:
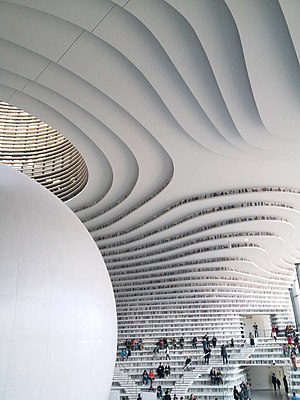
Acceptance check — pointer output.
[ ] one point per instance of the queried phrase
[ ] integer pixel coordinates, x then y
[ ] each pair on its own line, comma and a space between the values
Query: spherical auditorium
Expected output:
168, 134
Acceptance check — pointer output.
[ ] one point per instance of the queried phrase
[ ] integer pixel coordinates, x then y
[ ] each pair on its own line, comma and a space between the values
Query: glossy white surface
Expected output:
57, 310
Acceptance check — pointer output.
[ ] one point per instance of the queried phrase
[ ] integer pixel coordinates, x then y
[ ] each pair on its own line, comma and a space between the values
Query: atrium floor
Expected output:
268, 395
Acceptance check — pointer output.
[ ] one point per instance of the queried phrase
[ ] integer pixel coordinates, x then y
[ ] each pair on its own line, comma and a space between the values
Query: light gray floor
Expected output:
268, 395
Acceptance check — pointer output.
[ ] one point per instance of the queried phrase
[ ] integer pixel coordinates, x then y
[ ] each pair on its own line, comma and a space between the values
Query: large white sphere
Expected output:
57, 309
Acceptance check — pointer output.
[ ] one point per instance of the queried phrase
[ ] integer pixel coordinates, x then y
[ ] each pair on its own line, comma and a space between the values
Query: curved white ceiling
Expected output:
187, 114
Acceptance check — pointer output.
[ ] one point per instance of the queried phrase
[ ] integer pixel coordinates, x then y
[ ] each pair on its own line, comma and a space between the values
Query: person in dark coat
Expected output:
207, 355
167, 370
188, 363
160, 371
224, 354
235, 393
159, 392
278, 383
286, 386
274, 381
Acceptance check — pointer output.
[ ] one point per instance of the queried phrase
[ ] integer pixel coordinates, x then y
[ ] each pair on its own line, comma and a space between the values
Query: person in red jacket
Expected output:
151, 376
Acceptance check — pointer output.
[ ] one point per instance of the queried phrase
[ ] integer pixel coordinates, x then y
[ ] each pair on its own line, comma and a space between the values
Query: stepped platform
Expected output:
128, 373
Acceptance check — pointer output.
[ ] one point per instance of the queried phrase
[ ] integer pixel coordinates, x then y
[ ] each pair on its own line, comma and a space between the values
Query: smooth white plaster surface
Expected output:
57, 310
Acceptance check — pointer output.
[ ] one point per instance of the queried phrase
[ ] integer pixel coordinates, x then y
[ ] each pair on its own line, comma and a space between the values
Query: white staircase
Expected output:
182, 386
127, 385
242, 353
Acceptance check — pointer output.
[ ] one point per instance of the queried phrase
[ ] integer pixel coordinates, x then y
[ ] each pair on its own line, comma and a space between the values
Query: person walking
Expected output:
274, 381
278, 383
294, 360
295, 397
188, 363
167, 351
207, 355
194, 342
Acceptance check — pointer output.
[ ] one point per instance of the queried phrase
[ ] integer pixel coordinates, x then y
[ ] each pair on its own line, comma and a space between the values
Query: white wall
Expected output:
148, 396
114, 395
261, 376
57, 309
263, 322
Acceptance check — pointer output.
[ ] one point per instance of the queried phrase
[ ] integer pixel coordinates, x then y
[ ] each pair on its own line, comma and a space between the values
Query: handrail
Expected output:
121, 365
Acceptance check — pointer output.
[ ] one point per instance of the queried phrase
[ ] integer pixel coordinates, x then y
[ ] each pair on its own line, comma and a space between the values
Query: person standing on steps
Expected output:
188, 363
207, 355
235, 393
274, 332
224, 354
255, 327
286, 386
294, 360
167, 351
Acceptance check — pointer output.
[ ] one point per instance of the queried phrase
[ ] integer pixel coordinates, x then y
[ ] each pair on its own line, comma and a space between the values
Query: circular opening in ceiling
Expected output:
31, 146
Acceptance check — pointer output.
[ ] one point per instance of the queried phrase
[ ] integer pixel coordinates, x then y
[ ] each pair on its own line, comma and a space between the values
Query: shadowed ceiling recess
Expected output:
39, 151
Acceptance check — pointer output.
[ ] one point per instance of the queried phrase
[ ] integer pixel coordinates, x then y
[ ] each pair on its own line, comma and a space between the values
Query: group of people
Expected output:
292, 346
274, 333
161, 396
163, 371
206, 341
208, 350
289, 331
216, 376
277, 383
241, 392
244, 393
167, 395
134, 344
177, 342
166, 350
130, 345
163, 343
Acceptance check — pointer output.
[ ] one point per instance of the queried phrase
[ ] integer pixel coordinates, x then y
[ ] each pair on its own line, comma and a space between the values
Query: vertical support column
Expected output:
295, 298
297, 265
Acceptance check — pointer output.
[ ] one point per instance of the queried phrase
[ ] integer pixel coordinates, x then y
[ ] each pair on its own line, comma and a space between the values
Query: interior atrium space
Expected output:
34, 148
159, 221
